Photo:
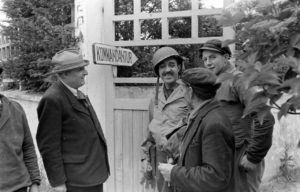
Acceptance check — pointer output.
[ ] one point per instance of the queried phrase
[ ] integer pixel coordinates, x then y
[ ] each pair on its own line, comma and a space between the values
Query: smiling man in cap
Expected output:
69, 136
252, 139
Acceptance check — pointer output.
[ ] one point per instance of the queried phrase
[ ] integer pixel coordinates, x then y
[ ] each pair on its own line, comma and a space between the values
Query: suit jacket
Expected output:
207, 153
18, 161
70, 140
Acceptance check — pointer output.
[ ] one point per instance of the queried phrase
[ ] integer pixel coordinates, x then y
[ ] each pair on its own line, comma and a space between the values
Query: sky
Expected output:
2, 15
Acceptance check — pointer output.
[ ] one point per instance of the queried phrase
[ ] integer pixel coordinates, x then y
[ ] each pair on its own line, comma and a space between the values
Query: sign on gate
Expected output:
111, 55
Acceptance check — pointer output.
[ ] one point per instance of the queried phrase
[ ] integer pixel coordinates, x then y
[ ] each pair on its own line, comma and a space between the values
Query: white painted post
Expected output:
194, 17
99, 86
164, 20
228, 32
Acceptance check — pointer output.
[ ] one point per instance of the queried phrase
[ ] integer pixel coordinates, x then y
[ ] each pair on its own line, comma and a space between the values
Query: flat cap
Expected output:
200, 78
215, 45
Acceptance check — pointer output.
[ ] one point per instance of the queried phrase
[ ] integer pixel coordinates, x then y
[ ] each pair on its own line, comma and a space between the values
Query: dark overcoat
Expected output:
207, 153
71, 140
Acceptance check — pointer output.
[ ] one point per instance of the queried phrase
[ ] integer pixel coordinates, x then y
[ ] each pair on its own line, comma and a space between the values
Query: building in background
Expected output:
6, 50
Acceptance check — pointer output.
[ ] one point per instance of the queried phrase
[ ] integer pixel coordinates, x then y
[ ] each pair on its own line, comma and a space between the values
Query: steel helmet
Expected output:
162, 54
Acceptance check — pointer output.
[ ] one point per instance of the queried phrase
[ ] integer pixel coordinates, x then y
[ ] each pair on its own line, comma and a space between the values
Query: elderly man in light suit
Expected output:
69, 136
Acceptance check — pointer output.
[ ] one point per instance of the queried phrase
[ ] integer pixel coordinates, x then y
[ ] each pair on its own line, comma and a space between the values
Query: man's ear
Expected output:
226, 55
179, 67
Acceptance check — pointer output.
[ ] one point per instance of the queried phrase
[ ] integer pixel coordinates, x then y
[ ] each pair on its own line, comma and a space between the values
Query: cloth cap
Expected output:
215, 45
203, 81
66, 60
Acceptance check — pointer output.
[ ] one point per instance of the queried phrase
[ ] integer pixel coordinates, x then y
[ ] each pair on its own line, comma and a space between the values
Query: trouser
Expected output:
98, 188
24, 189
247, 181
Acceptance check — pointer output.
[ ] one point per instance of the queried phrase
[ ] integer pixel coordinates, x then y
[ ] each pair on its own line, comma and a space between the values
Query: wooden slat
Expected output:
118, 151
137, 140
137, 80
127, 151
145, 121
110, 138
132, 104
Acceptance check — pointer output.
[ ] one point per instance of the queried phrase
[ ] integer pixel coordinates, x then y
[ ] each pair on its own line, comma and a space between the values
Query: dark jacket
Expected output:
207, 153
70, 140
18, 160
234, 98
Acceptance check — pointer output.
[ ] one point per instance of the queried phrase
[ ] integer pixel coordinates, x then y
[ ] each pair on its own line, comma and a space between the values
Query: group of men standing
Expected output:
198, 140
219, 150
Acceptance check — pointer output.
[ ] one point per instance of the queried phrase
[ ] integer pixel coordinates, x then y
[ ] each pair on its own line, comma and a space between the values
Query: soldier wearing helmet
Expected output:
168, 110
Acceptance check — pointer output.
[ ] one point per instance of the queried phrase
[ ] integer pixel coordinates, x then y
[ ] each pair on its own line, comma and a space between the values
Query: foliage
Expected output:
150, 6
180, 5
180, 27
286, 164
208, 26
268, 43
38, 29
123, 7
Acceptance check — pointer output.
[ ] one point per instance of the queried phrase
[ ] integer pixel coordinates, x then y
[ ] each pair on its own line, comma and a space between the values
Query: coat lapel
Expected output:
175, 95
194, 126
73, 100
178, 93
5, 115
79, 107
189, 135
161, 96
95, 120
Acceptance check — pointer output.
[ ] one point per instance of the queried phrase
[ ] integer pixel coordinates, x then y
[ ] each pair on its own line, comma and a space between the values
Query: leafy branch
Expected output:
268, 52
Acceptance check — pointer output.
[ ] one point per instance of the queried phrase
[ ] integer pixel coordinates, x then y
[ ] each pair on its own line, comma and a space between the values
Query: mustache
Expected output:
168, 73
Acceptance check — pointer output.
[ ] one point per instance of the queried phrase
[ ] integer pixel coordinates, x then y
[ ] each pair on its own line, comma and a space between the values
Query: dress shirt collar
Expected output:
73, 91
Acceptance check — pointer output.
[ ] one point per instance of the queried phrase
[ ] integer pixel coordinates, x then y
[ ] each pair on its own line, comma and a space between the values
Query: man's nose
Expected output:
208, 62
168, 68
85, 72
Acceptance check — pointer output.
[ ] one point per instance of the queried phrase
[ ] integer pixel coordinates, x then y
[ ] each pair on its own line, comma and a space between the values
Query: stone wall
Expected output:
29, 102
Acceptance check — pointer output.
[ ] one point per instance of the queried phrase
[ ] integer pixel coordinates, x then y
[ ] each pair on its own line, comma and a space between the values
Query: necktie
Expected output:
82, 98
80, 95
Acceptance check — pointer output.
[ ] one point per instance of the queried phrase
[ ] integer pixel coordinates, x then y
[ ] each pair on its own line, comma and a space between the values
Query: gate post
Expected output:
90, 26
